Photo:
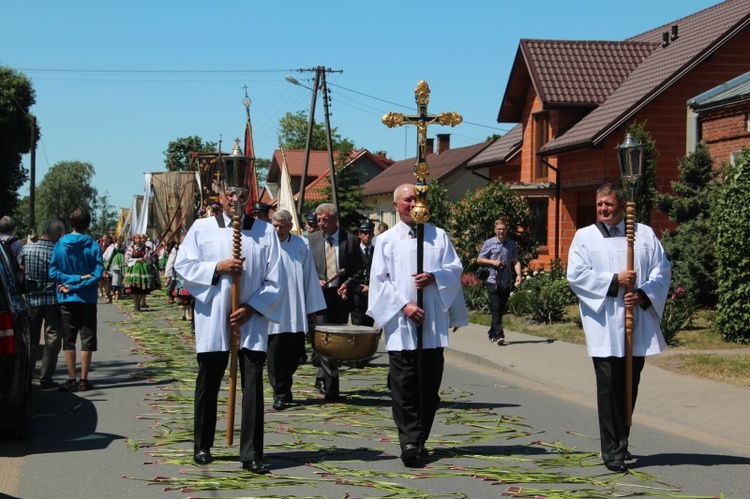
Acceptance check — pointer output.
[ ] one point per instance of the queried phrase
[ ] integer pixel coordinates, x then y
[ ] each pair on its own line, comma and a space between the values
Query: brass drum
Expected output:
345, 342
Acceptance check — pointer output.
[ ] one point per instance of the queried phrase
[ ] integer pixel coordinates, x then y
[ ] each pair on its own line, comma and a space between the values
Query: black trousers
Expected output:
498, 299
284, 352
337, 312
251, 433
211, 368
359, 317
413, 427
610, 401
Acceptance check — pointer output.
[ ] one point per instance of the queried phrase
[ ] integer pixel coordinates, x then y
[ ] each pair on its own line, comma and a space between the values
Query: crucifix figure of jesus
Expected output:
421, 120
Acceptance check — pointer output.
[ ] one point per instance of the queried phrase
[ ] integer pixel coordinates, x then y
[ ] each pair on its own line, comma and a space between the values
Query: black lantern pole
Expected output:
630, 157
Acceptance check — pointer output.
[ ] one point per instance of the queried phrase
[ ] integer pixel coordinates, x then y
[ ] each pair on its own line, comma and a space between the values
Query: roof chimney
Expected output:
674, 33
665, 39
444, 142
430, 146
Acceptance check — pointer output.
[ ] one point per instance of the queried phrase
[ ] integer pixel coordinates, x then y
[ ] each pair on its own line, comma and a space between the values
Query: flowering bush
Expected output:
678, 314
546, 294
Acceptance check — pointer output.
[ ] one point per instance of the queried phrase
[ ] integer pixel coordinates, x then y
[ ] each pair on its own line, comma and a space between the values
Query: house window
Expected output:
540, 138
539, 226
734, 157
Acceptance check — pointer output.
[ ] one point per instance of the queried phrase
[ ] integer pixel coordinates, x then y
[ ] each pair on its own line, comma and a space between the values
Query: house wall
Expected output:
583, 171
725, 131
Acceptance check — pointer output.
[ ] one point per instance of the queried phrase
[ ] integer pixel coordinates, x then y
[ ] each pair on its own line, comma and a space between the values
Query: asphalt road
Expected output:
511, 431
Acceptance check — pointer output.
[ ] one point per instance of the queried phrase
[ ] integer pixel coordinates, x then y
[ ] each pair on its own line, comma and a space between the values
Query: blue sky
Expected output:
152, 71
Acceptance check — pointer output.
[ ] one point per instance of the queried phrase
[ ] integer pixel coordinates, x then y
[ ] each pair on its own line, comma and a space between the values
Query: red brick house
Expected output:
720, 118
573, 100
366, 164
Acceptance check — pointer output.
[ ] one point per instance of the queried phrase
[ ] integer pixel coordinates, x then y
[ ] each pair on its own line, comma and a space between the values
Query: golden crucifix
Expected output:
421, 212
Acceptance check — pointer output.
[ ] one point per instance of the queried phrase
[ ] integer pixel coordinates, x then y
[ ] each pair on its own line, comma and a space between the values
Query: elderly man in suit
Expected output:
338, 261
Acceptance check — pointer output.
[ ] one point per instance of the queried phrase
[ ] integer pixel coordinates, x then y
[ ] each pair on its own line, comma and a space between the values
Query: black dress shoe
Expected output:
279, 405
616, 466
203, 457
256, 466
423, 452
628, 456
409, 453
320, 386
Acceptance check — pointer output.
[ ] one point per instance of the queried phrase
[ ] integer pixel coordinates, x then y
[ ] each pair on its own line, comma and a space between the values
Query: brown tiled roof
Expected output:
500, 150
440, 165
295, 161
569, 73
319, 162
699, 35
314, 190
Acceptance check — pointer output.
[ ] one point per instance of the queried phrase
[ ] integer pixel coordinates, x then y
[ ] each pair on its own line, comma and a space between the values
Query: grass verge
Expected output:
700, 349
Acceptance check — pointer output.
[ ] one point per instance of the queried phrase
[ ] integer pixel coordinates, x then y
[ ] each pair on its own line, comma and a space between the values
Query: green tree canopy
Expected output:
645, 190
689, 247
103, 216
67, 185
473, 222
17, 96
177, 155
293, 134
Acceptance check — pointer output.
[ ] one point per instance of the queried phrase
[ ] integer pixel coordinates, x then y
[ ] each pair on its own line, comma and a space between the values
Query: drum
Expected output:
345, 342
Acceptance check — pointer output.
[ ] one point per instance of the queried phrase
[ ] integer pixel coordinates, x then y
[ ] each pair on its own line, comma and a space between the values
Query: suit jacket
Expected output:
350, 256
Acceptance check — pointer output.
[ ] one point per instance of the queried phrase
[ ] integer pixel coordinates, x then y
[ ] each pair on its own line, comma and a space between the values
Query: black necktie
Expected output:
413, 233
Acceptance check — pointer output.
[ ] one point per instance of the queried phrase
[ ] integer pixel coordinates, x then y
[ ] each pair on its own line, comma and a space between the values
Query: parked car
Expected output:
16, 362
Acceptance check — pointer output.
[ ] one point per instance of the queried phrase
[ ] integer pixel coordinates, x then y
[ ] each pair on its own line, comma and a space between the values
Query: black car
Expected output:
16, 361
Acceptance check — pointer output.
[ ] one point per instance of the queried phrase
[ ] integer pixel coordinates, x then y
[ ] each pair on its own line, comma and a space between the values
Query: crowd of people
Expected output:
266, 298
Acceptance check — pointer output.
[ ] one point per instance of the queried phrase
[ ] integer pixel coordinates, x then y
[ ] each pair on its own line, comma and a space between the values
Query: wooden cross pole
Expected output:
421, 212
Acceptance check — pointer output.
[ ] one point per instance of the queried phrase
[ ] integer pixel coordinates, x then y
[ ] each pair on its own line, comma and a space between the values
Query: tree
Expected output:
349, 193
473, 222
731, 218
103, 216
645, 190
440, 206
67, 185
17, 96
177, 156
293, 134
261, 170
689, 247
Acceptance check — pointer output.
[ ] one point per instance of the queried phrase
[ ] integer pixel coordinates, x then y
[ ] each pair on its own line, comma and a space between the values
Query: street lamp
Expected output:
630, 157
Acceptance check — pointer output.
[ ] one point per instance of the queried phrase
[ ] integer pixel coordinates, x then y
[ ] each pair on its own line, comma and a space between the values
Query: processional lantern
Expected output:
234, 173
630, 157
234, 170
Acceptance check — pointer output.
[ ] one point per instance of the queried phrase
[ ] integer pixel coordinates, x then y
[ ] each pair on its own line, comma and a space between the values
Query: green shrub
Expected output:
547, 304
518, 303
678, 314
731, 218
476, 298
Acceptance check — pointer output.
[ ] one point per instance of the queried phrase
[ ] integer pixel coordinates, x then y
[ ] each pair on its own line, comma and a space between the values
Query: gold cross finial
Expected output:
421, 212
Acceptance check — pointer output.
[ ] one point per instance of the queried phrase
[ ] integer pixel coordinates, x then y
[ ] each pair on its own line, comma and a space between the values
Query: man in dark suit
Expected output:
338, 260
366, 233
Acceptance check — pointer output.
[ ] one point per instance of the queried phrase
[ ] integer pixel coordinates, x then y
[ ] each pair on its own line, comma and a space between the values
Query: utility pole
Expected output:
319, 83
32, 179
